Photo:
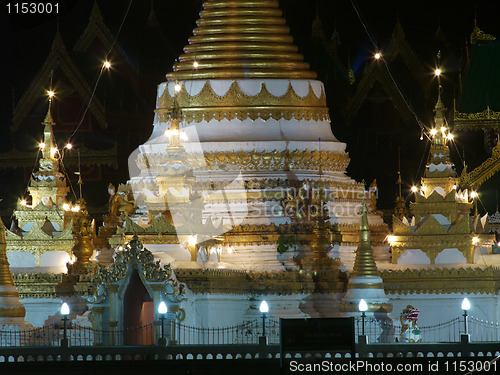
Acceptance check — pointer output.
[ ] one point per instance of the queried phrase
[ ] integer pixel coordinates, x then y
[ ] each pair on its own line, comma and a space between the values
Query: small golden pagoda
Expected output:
365, 281
441, 231
44, 225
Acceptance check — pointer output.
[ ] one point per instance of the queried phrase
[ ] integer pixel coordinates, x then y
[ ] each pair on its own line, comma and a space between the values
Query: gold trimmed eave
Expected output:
37, 285
207, 105
442, 281
254, 160
485, 120
240, 282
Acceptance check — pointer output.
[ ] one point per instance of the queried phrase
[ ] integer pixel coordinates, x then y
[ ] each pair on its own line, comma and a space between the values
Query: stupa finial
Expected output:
364, 264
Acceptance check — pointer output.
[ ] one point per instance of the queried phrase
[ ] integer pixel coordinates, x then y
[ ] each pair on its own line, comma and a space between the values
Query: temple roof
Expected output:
58, 59
376, 71
482, 84
96, 30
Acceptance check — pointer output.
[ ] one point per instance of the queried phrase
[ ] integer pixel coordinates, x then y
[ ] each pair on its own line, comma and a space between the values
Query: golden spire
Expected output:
238, 40
364, 264
48, 135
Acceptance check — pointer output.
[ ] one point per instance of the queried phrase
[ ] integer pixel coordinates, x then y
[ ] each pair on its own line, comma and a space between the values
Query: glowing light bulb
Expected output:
107, 64
465, 304
51, 93
162, 308
475, 240
473, 194
454, 187
23, 202
66, 207
177, 88
378, 55
42, 145
195, 64
230, 249
69, 146
443, 129
424, 188
391, 238
53, 151
363, 306
437, 72
192, 240
64, 309
264, 307
450, 136
433, 132
75, 208
414, 189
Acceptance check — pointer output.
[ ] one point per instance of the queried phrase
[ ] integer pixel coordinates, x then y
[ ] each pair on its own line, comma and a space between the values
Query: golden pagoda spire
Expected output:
364, 264
241, 40
11, 309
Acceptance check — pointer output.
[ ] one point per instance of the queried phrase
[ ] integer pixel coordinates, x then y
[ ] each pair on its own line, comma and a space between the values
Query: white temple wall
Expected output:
451, 256
21, 259
38, 310
413, 256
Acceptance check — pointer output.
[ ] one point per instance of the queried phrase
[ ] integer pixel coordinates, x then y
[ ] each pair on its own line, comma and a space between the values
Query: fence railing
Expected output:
247, 333
378, 331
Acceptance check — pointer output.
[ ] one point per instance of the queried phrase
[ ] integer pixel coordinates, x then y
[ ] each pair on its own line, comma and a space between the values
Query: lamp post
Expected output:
465, 308
162, 310
264, 309
65, 313
363, 307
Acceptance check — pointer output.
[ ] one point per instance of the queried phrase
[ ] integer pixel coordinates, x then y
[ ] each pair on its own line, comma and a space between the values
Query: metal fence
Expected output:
378, 331
387, 331
247, 333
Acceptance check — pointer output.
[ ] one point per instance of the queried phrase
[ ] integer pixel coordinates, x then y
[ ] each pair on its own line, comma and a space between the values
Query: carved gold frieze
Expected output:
37, 285
482, 173
207, 105
442, 281
134, 252
240, 282
278, 160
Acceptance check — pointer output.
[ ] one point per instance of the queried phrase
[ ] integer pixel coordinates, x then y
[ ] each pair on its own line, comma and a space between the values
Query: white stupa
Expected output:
254, 118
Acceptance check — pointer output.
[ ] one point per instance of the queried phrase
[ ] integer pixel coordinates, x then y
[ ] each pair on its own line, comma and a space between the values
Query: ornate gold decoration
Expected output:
37, 285
481, 174
442, 281
207, 105
478, 34
240, 282
134, 252
241, 40
120, 203
278, 160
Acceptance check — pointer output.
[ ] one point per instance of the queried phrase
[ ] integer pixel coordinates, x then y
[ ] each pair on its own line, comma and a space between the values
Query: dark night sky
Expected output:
26, 39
